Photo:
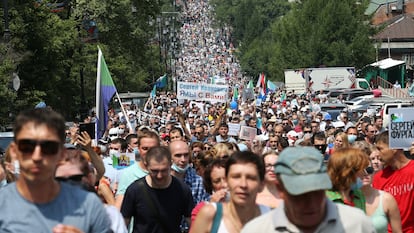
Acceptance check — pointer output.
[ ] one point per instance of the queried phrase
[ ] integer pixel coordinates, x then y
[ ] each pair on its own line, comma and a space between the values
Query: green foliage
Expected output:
274, 35
52, 51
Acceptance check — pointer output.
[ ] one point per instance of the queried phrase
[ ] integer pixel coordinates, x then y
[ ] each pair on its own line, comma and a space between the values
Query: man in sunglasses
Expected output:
43, 203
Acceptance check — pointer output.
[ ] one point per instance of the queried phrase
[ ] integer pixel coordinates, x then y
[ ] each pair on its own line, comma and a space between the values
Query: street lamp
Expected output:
6, 34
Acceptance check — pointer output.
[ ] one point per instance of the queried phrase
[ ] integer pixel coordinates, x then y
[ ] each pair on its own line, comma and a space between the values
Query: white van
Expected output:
385, 110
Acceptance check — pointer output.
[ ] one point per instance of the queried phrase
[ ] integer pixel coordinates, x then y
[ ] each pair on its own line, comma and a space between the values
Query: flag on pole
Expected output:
235, 94
250, 85
161, 81
153, 92
105, 90
271, 85
261, 83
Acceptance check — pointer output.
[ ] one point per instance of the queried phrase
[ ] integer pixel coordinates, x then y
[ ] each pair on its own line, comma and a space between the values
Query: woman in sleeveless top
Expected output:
270, 195
245, 178
380, 206
215, 184
344, 168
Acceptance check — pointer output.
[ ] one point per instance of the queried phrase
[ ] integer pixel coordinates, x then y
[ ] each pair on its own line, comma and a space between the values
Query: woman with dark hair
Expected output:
203, 160
215, 184
269, 196
245, 178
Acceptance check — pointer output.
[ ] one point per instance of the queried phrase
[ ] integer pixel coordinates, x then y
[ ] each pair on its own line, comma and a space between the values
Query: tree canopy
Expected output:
53, 46
276, 35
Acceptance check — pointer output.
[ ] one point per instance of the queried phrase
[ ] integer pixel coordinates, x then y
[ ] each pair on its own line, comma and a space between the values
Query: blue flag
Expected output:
162, 81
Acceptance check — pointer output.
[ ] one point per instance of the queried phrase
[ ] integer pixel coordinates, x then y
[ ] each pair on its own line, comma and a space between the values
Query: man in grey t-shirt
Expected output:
37, 202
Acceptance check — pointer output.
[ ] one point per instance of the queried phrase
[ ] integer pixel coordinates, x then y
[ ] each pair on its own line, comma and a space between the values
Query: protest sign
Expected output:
202, 91
122, 160
401, 128
247, 133
234, 129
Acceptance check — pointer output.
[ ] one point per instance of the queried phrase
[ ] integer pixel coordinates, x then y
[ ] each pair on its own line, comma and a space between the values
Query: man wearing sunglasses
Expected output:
43, 203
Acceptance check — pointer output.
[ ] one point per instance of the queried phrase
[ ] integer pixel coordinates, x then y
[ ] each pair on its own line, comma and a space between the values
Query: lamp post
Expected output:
168, 42
6, 34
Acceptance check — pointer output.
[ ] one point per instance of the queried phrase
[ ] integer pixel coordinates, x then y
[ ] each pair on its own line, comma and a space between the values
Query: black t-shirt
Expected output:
172, 203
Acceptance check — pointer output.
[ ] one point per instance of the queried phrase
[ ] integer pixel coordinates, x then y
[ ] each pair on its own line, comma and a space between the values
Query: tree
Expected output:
50, 50
274, 36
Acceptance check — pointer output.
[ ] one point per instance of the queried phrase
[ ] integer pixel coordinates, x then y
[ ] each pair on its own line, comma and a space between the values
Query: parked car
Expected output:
359, 101
333, 109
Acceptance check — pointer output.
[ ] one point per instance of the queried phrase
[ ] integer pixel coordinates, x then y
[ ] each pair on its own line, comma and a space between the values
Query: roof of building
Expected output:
375, 4
402, 27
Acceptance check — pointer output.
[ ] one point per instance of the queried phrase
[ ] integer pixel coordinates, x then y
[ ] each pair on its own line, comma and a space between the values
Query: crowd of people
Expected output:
206, 51
185, 166
183, 184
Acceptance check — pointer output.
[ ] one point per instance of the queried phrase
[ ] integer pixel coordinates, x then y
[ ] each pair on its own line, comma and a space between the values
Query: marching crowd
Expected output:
187, 171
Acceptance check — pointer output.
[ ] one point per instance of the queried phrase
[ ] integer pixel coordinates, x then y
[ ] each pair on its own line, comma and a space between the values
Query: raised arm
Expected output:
85, 140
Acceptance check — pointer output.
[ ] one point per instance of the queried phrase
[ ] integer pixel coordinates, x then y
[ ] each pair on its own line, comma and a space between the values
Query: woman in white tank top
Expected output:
245, 178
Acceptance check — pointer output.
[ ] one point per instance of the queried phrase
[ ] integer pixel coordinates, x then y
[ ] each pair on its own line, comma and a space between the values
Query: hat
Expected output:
338, 124
273, 119
293, 134
328, 117
302, 170
113, 133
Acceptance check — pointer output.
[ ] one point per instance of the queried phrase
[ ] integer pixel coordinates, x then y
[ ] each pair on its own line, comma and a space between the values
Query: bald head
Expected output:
178, 145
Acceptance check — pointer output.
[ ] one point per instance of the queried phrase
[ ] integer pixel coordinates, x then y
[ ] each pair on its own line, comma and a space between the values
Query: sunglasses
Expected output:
27, 146
74, 178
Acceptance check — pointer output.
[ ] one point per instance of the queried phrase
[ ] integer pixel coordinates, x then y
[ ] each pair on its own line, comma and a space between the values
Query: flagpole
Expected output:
98, 91
124, 112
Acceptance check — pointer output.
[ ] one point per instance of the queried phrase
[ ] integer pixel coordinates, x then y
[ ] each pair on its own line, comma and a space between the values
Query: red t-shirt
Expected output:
400, 183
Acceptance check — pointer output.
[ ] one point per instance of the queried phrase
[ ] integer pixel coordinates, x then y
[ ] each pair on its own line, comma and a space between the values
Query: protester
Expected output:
159, 200
380, 206
395, 178
39, 135
302, 181
181, 169
345, 166
146, 140
214, 180
269, 196
245, 178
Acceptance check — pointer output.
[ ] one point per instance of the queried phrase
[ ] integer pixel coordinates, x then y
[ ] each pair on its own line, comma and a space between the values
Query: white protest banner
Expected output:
202, 91
247, 133
234, 129
401, 128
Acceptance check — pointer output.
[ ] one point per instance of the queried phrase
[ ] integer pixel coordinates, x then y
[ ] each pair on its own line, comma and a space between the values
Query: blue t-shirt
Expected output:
73, 206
